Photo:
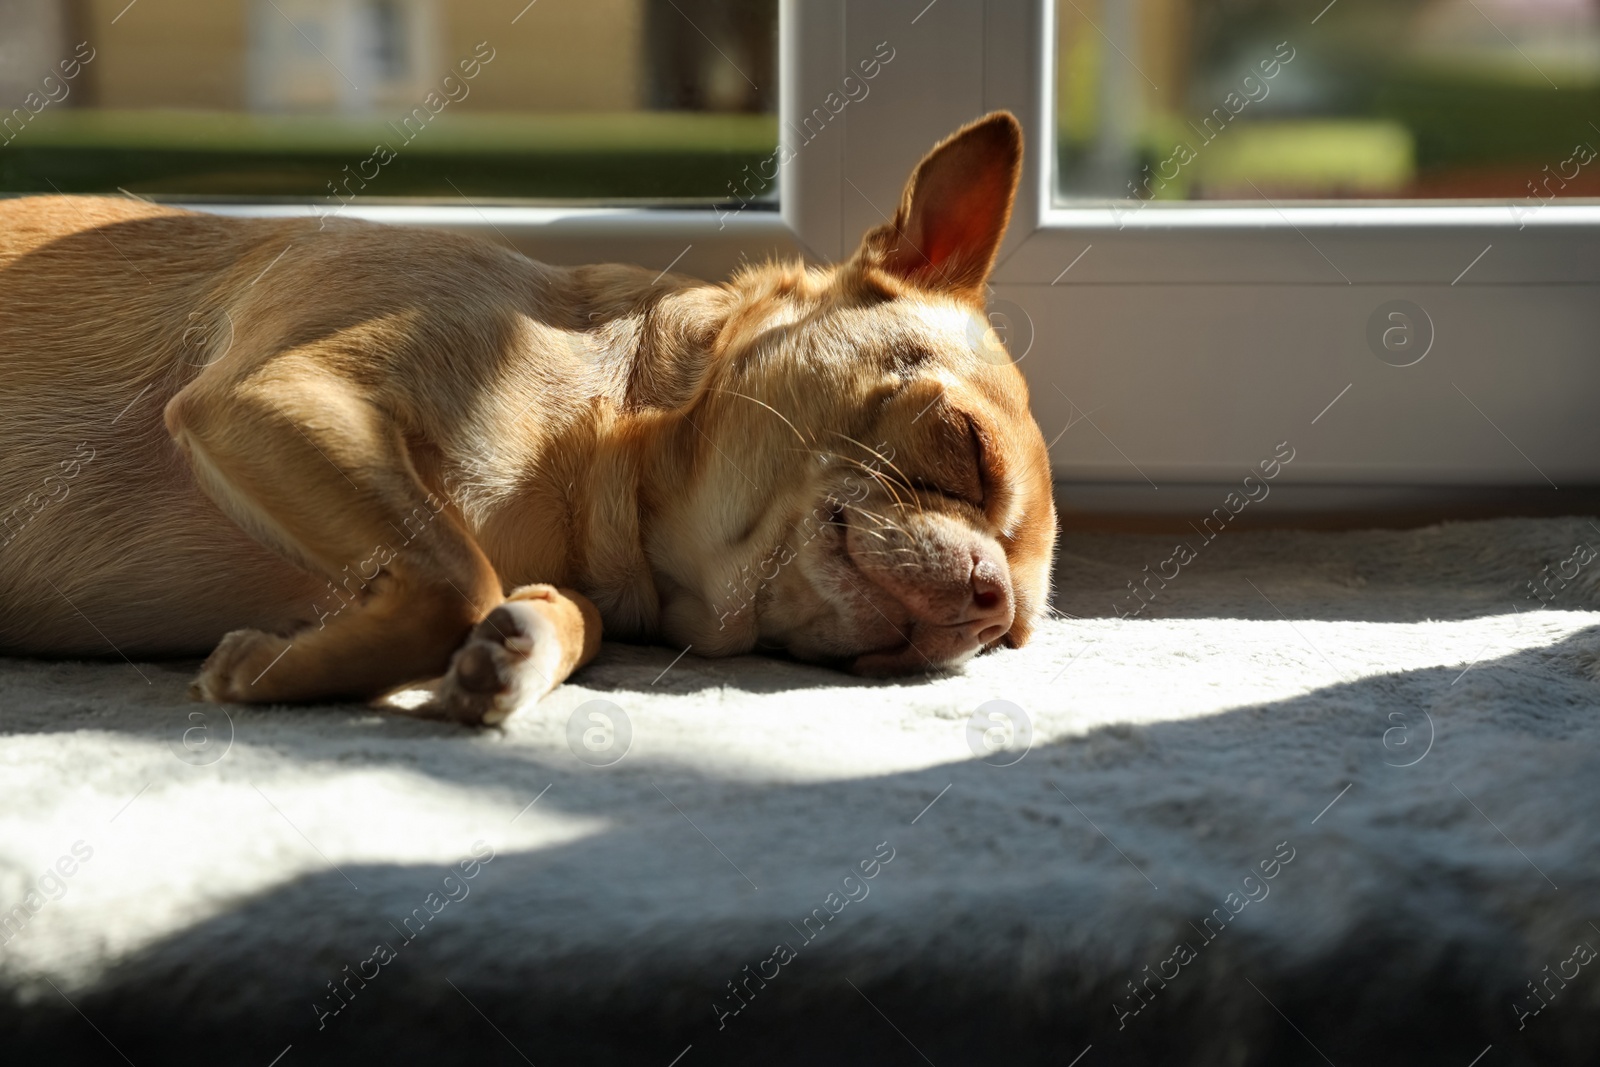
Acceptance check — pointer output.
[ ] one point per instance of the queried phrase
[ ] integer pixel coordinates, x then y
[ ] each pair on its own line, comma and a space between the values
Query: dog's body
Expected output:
338, 449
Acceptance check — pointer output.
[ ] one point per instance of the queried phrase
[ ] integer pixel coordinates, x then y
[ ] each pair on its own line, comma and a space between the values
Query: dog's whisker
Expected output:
874, 533
874, 452
893, 485
876, 519
882, 520
803, 439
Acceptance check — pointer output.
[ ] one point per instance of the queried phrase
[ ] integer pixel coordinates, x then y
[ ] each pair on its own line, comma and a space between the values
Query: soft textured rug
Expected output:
1312, 798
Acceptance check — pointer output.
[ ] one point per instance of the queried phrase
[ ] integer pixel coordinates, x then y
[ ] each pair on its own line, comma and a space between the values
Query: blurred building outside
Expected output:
1156, 99
584, 98
1385, 99
365, 56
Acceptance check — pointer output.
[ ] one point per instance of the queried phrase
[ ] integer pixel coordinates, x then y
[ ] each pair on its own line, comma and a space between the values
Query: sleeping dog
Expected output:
344, 458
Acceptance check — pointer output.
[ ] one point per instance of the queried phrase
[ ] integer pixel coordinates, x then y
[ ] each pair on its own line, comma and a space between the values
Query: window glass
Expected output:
1310, 100
593, 99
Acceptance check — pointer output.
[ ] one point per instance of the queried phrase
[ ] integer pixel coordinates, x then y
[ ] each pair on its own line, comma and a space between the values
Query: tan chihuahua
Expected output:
346, 458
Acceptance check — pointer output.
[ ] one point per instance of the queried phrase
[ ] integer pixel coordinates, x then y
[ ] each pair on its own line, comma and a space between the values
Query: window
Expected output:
1173, 100
1169, 342
1172, 346
594, 100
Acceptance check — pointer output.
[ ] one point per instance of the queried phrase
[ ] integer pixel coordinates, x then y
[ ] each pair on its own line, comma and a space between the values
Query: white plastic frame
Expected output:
1175, 346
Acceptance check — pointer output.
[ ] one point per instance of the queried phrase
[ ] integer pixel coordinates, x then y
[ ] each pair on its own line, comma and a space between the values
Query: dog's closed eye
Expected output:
957, 468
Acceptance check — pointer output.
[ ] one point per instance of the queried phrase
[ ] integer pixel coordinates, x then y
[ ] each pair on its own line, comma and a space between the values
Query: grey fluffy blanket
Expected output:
1320, 798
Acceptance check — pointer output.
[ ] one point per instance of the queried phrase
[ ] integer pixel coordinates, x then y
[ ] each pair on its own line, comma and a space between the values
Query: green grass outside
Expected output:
1456, 117
642, 155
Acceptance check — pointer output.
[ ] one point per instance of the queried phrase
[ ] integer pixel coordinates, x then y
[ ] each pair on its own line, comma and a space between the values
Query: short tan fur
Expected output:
343, 457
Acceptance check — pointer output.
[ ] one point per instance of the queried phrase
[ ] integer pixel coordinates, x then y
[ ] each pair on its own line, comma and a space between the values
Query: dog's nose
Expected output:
966, 593
990, 612
952, 590
953, 614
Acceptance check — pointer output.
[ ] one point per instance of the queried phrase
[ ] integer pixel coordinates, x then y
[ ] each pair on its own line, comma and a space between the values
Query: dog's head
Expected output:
869, 488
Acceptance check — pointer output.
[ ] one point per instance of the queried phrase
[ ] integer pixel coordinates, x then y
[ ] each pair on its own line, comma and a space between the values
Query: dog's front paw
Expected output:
511, 659
233, 670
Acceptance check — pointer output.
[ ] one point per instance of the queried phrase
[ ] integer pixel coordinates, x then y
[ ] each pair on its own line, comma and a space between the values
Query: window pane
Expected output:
590, 99
1311, 100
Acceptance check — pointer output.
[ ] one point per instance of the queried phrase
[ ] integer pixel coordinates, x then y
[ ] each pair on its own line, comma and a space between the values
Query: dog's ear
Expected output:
953, 211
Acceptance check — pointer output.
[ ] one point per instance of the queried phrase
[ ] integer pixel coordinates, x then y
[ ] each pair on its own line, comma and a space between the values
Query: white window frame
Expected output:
1173, 347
